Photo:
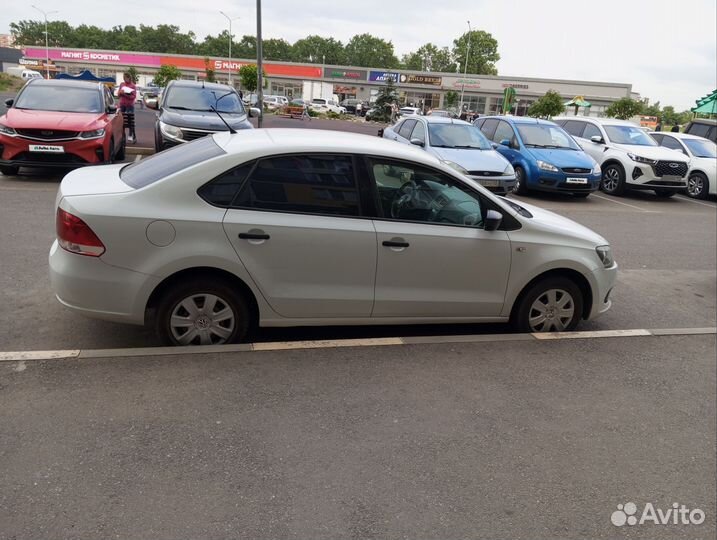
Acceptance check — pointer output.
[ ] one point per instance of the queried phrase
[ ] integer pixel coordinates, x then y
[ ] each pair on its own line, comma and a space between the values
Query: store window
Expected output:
422, 100
287, 89
475, 104
495, 105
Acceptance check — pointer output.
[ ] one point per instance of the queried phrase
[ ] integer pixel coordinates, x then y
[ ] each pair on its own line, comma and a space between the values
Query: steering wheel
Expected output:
408, 197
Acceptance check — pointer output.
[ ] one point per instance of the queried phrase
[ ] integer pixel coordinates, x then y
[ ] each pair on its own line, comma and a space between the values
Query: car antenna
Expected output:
231, 129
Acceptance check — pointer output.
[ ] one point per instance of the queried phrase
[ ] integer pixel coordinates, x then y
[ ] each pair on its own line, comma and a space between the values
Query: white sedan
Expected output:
272, 228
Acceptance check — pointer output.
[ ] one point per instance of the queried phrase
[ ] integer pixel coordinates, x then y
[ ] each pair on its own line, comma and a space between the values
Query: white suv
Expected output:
629, 158
326, 105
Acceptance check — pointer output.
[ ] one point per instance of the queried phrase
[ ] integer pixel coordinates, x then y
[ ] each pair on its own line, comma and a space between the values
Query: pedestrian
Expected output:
358, 108
394, 112
675, 128
241, 95
305, 112
127, 95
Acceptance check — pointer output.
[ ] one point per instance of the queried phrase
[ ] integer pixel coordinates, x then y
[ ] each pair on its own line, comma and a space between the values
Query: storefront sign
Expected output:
421, 79
461, 82
29, 62
334, 73
382, 76
103, 57
515, 85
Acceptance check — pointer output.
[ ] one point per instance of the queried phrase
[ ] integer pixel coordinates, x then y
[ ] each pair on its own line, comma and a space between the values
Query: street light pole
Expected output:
47, 41
231, 38
259, 64
465, 69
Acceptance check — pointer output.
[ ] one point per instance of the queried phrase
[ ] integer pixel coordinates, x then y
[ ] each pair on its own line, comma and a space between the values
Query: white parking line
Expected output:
137, 157
683, 198
620, 202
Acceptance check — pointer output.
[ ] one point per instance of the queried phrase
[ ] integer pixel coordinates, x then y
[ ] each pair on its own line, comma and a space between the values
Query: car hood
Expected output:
472, 160
652, 152
202, 119
72, 121
553, 223
563, 158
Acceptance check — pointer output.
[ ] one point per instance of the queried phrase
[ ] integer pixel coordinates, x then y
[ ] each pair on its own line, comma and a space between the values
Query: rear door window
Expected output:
149, 170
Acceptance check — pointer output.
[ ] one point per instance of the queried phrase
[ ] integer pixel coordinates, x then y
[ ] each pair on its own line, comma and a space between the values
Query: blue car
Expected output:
544, 156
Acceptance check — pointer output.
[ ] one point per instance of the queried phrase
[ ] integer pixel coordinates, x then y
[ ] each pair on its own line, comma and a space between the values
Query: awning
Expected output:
578, 101
706, 104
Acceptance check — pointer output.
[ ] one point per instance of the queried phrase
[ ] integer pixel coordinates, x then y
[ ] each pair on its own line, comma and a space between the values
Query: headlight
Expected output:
7, 130
641, 159
171, 131
545, 166
509, 170
605, 254
94, 134
455, 166
597, 169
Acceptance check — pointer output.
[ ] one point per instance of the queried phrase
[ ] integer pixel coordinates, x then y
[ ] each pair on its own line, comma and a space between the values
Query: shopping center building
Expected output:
482, 94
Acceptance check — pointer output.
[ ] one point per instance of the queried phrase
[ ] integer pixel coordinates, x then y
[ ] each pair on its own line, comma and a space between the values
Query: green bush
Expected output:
333, 115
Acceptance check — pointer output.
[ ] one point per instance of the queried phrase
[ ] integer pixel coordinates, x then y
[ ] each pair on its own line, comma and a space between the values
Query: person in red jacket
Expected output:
127, 95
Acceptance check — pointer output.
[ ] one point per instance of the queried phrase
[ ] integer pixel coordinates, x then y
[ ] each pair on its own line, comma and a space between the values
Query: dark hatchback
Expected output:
185, 112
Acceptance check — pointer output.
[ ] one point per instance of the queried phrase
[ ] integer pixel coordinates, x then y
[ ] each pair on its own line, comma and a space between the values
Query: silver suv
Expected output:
629, 158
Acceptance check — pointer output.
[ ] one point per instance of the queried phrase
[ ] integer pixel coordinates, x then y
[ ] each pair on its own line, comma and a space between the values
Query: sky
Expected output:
666, 49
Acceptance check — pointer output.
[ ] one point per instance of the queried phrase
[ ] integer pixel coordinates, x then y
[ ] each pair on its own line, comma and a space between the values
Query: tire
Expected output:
520, 188
9, 170
122, 152
111, 157
581, 195
199, 328
613, 179
550, 293
665, 193
698, 186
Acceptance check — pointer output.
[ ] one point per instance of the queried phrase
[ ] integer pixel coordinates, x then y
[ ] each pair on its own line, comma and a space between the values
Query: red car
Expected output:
64, 124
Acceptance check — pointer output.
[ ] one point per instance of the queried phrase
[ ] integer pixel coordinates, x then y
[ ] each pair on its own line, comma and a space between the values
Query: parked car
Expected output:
371, 114
457, 144
702, 175
703, 127
439, 112
185, 112
350, 105
324, 105
273, 102
406, 111
60, 124
544, 156
629, 158
274, 228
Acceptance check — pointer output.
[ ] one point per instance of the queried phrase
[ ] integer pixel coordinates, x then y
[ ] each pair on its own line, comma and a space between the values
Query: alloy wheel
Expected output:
202, 319
552, 311
610, 179
695, 185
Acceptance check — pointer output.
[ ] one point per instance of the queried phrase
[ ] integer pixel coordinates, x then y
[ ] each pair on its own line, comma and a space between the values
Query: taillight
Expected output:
75, 236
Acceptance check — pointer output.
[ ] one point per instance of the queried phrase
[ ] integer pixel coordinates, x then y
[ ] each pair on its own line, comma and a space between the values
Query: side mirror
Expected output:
418, 142
495, 146
152, 103
9, 102
505, 142
492, 221
254, 112
111, 109
597, 139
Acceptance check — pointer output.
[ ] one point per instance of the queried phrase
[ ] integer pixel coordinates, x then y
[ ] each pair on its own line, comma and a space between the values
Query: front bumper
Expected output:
561, 182
603, 282
643, 176
499, 184
93, 288
15, 151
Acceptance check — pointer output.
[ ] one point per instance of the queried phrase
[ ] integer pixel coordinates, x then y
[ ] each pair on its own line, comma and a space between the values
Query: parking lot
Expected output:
480, 436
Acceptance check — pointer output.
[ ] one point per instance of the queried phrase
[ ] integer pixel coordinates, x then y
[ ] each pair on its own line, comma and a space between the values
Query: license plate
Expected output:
50, 149
490, 183
576, 180
671, 178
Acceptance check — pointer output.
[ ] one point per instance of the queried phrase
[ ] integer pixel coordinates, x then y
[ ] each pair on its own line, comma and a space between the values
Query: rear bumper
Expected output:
89, 286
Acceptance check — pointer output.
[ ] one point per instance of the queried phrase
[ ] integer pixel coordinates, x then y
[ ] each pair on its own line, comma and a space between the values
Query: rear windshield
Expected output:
60, 98
147, 171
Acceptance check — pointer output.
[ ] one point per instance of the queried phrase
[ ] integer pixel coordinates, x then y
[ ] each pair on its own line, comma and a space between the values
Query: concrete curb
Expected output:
17, 356
139, 150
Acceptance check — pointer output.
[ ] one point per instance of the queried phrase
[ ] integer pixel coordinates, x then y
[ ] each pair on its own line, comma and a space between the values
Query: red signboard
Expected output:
188, 62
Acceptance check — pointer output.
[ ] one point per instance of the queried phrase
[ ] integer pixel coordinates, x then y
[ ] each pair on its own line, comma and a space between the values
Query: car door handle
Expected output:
253, 236
393, 243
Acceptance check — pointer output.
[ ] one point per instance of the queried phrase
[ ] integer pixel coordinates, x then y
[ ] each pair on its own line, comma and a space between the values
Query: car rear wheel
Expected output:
665, 193
553, 304
613, 179
202, 313
111, 154
520, 188
698, 186
9, 170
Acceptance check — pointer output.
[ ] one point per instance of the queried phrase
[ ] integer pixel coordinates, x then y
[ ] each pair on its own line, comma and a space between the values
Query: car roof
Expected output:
64, 83
430, 119
679, 135
601, 121
292, 140
520, 119
199, 84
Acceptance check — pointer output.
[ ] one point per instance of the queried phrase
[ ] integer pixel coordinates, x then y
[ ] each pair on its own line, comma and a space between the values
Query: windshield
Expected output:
457, 136
699, 148
60, 98
629, 135
545, 136
203, 99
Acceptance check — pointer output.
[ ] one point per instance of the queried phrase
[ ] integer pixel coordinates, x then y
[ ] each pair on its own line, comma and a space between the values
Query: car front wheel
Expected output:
553, 304
613, 180
202, 313
697, 186
520, 188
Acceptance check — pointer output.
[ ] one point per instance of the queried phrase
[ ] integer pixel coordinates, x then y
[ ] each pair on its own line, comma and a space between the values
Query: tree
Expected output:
165, 74
651, 110
624, 108
318, 49
277, 49
208, 71
430, 58
551, 104
387, 96
367, 50
451, 99
483, 53
249, 76
30, 33
246, 48
216, 45
133, 74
